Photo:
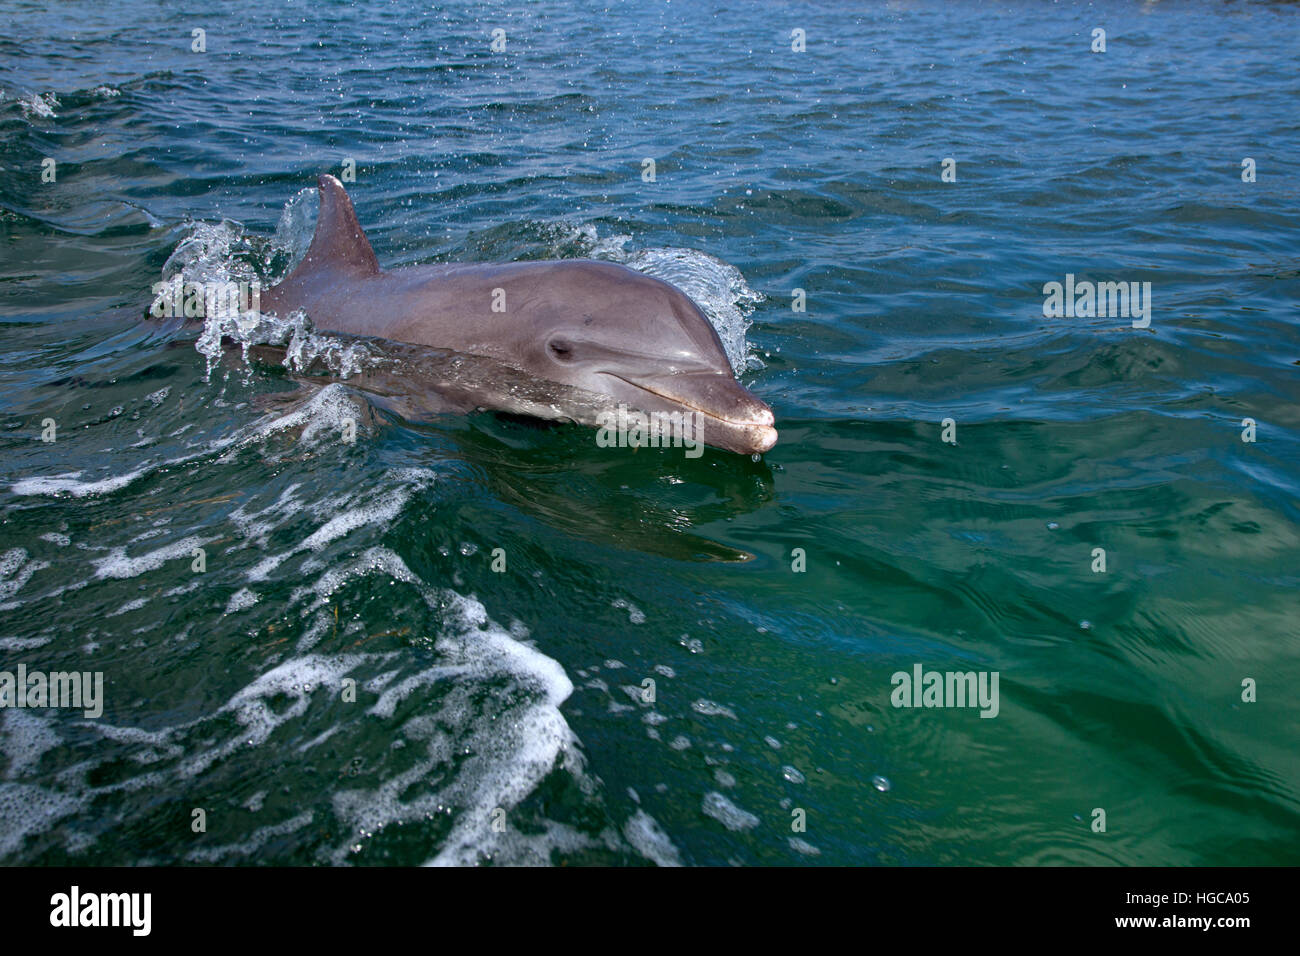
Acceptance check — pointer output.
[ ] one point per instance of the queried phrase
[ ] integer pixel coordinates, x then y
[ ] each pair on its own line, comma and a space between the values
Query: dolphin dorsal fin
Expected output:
339, 243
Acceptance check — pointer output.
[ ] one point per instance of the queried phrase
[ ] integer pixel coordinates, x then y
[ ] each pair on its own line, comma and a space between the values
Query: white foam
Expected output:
128, 607
23, 643
374, 559
708, 708
386, 706
27, 810
727, 813
634, 614
321, 417
256, 525
241, 600
380, 512
510, 751
16, 571
319, 739
649, 839
636, 693
69, 484
296, 679
118, 565
804, 847
26, 739
473, 754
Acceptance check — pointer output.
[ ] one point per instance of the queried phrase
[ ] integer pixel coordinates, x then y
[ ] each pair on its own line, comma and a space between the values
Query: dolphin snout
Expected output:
734, 418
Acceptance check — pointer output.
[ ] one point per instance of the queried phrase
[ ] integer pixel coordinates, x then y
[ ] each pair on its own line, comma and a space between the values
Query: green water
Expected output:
502, 715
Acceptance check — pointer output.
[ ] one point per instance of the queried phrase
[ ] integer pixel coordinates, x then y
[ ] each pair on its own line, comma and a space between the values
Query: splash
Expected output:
41, 105
717, 287
216, 254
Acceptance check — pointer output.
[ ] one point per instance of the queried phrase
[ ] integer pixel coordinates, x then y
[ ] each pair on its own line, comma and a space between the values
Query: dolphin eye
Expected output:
561, 349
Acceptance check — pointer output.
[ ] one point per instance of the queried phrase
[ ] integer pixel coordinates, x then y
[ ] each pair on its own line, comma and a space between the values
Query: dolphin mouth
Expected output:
747, 436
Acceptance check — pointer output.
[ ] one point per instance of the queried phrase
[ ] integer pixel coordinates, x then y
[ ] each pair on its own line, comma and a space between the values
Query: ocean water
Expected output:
348, 680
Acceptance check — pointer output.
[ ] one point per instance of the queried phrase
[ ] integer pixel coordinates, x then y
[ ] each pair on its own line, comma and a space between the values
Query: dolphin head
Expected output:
640, 342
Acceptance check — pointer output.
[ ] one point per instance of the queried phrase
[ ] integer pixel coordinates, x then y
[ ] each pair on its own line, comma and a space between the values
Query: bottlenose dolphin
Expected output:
571, 339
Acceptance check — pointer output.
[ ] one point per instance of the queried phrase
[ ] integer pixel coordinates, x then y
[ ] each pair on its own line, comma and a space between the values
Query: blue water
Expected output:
498, 716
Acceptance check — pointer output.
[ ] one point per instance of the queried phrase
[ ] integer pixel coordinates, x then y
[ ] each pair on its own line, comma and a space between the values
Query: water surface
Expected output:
500, 716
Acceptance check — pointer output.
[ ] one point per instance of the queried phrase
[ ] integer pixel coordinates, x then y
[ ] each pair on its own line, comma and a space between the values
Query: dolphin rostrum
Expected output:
588, 336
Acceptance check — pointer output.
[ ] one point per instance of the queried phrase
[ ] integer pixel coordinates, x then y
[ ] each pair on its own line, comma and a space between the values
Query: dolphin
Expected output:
571, 339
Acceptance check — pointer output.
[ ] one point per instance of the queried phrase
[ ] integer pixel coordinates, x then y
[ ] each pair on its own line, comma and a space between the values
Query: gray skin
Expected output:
576, 337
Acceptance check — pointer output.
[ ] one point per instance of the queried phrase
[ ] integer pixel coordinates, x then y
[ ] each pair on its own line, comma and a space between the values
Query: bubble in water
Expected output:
709, 708
634, 614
